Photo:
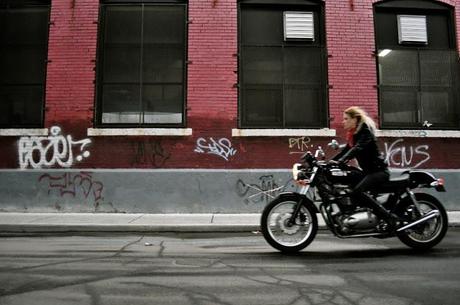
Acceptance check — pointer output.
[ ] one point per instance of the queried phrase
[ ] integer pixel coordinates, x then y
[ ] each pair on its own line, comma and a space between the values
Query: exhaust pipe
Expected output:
428, 216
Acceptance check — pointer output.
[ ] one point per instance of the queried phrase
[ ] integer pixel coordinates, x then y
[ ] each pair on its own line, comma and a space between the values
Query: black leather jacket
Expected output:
365, 151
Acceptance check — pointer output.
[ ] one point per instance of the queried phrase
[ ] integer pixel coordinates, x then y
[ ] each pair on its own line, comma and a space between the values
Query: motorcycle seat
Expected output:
401, 182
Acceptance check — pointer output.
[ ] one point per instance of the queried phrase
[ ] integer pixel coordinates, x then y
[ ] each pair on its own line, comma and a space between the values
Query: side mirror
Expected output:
335, 145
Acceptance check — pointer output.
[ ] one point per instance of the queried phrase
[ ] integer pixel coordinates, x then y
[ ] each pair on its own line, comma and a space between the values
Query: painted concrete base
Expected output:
159, 191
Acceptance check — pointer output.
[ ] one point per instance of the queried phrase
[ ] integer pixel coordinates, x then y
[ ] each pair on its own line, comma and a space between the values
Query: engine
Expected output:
363, 220
342, 198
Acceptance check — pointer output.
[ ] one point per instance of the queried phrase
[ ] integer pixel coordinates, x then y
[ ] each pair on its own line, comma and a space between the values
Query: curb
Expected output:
151, 223
124, 228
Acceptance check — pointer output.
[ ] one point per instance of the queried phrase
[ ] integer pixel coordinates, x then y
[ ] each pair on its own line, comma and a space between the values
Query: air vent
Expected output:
299, 25
412, 29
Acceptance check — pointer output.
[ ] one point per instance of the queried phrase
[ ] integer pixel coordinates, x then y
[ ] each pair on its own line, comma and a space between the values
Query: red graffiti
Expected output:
73, 184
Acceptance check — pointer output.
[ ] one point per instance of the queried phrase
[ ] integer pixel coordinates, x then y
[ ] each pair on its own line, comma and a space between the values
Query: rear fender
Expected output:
425, 179
297, 197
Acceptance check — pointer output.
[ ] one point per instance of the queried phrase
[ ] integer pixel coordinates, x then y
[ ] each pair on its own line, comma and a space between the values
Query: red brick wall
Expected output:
212, 48
72, 59
211, 96
352, 65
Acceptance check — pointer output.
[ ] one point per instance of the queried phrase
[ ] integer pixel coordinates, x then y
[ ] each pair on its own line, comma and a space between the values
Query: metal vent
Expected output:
298, 25
412, 28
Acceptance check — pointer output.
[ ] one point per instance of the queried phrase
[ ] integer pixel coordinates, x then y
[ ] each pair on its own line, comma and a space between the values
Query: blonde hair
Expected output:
362, 117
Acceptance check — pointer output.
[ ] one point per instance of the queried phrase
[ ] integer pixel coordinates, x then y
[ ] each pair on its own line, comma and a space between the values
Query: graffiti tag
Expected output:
398, 155
262, 192
38, 152
75, 185
300, 144
222, 148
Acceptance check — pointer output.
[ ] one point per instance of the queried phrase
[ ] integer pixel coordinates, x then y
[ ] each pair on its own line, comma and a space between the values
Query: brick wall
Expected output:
352, 64
72, 60
212, 99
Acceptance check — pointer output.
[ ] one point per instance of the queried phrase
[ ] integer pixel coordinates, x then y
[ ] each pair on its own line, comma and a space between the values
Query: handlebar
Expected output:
319, 153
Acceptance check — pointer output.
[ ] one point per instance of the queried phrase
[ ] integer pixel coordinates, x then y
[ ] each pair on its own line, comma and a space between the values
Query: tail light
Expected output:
440, 181
438, 185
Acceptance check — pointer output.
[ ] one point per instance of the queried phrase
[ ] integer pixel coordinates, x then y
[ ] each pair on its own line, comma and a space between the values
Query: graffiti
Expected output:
398, 155
75, 185
222, 148
38, 152
300, 144
266, 190
151, 153
407, 133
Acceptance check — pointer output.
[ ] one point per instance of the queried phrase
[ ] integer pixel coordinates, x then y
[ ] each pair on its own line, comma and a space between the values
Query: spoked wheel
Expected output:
427, 234
282, 235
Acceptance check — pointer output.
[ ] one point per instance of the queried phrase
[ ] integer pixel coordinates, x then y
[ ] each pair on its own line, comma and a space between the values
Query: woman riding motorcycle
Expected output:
362, 145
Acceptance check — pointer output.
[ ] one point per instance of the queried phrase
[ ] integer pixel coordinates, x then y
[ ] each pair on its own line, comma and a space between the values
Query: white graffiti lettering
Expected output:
401, 156
39, 152
222, 148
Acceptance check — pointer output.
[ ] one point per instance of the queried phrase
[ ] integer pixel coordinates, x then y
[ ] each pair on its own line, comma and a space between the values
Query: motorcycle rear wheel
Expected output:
428, 234
282, 236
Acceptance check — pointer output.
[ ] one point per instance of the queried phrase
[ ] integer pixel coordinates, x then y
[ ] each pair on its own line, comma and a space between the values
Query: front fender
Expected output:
297, 197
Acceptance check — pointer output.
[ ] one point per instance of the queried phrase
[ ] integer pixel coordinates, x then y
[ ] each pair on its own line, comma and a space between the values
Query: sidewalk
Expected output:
113, 222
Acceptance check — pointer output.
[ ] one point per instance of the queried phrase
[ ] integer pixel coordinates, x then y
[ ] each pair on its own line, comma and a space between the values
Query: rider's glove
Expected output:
334, 162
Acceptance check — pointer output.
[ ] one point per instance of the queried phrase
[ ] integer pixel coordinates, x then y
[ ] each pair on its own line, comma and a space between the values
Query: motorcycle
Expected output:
289, 222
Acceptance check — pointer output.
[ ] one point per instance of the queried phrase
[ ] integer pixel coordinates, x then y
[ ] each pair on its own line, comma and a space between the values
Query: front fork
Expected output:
303, 191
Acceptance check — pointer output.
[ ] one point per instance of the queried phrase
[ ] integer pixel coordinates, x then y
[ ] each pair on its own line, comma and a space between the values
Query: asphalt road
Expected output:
224, 269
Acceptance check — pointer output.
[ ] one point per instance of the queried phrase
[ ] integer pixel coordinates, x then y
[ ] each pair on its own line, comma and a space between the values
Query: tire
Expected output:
428, 234
289, 239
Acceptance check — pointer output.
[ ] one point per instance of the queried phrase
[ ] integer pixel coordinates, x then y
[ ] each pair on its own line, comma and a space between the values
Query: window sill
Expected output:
325, 132
180, 132
422, 133
15, 132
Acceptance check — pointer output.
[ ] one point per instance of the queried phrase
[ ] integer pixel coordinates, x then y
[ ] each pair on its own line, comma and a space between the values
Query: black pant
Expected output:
370, 182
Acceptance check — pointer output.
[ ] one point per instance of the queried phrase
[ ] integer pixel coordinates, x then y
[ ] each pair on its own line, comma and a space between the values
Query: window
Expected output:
141, 67
282, 64
417, 65
23, 53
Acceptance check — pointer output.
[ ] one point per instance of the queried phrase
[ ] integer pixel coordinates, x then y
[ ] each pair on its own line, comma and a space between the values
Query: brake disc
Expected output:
283, 221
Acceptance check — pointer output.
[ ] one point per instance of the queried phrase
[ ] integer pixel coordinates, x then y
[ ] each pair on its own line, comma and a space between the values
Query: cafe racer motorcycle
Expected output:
289, 222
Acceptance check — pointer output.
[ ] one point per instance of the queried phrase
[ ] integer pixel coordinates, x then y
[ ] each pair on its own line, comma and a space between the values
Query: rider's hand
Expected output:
333, 162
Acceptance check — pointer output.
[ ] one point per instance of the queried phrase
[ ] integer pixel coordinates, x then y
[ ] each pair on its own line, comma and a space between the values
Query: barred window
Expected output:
418, 73
141, 68
282, 65
23, 52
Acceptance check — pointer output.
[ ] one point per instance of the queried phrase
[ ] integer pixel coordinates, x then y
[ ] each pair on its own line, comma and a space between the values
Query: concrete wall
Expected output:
158, 191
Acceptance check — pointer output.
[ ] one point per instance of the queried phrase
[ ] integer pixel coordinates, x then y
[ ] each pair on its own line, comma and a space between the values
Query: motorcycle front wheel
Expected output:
282, 235
428, 234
